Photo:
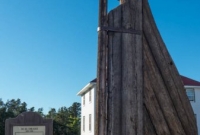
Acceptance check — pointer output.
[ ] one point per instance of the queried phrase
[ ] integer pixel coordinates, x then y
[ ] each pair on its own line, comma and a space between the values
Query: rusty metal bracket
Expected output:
119, 30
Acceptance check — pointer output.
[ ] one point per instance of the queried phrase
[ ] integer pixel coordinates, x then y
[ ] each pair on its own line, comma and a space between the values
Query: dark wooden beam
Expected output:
101, 107
120, 72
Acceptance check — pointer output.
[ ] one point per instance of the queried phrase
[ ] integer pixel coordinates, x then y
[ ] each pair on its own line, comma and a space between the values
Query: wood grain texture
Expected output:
101, 94
124, 114
132, 75
151, 102
139, 90
115, 69
162, 95
148, 124
169, 73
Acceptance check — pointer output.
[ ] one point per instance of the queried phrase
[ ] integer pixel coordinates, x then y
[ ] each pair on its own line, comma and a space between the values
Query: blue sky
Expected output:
48, 49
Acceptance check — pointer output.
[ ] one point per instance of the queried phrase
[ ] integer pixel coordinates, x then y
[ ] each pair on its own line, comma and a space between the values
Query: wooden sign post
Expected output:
29, 123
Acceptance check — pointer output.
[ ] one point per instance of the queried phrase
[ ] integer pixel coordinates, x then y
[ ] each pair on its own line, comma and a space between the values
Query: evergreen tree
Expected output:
66, 121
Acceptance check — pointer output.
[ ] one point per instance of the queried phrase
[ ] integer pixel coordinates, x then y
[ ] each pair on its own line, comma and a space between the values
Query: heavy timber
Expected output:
139, 90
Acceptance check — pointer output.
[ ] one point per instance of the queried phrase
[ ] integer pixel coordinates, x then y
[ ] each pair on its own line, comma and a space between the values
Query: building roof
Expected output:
189, 82
186, 81
94, 81
87, 88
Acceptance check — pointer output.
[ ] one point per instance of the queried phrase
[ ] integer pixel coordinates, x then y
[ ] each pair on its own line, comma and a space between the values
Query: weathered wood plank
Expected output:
115, 69
169, 73
129, 97
151, 102
132, 74
148, 124
120, 67
162, 95
101, 94
125, 72
139, 66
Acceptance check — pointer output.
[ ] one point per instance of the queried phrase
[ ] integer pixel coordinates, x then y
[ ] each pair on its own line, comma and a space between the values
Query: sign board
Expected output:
28, 130
29, 123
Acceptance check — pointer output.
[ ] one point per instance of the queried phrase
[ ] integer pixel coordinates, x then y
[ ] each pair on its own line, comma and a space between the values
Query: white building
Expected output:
193, 92
88, 103
88, 108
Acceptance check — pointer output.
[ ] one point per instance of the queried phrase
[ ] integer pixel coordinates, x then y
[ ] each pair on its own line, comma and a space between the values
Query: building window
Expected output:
195, 115
90, 96
83, 99
190, 93
83, 123
90, 122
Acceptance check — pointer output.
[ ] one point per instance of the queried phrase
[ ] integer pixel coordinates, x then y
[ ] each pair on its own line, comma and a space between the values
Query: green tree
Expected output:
51, 114
11, 109
75, 109
40, 111
2, 117
66, 121
62, 121
75, 114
